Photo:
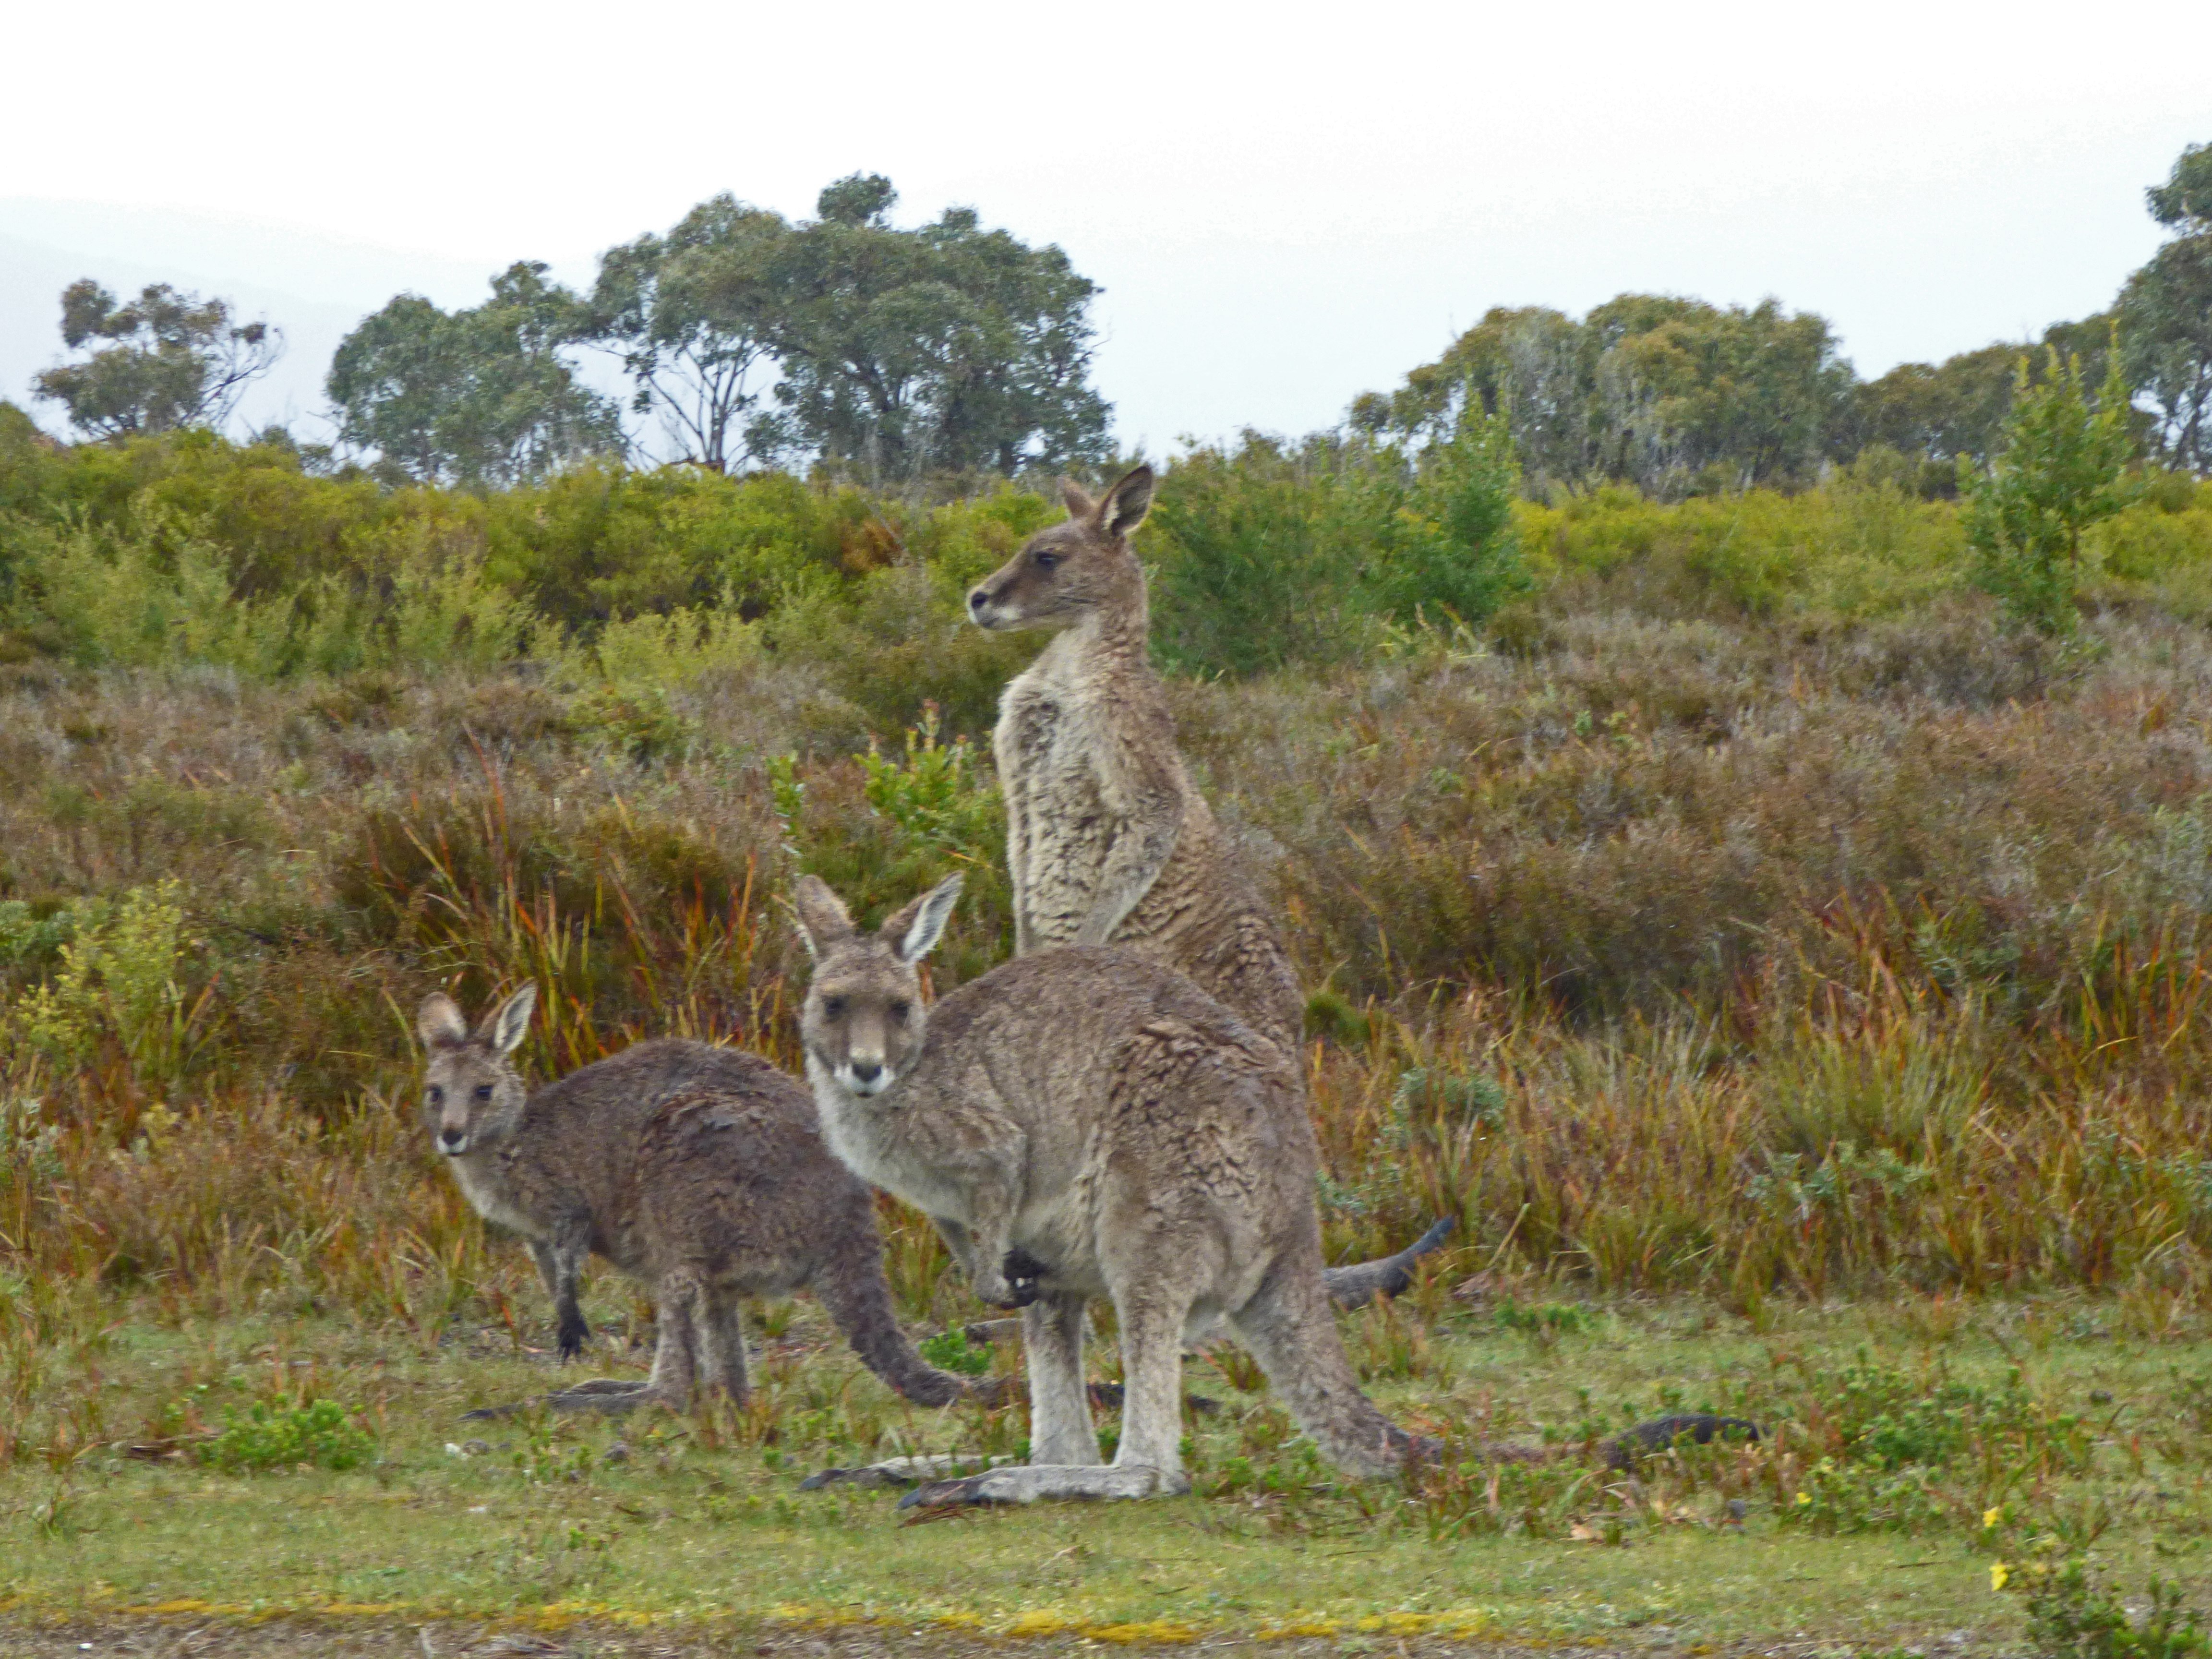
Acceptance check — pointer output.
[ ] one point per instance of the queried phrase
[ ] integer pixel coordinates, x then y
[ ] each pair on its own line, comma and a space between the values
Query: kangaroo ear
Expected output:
914, 931
820, 915
1127, 503
1079, 504
510, 1022
438, 1022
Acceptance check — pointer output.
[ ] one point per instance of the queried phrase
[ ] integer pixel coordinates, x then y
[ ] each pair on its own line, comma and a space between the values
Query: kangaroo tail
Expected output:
1355, 1285
1288, 1327
1661, 1432
852, 1288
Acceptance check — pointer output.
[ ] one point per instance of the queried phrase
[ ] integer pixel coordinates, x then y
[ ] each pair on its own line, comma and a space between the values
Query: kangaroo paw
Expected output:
573, 1333
1023, 1275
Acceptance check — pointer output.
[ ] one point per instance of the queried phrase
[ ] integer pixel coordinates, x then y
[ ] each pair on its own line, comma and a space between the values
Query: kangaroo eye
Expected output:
1047, 561
898, 1011
483, 1091
437, 1095
833, 1008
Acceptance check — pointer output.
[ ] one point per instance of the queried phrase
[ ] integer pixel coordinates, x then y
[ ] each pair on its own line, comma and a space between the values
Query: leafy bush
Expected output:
950, 1350
2059, 473
319, 1433
2075, 1613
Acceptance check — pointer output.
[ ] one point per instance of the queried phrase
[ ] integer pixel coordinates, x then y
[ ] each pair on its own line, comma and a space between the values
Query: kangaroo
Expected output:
1107, 839
699, 1170
1084, 1122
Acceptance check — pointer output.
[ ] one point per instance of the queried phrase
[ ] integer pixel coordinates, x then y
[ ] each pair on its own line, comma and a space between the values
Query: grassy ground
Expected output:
1750, 924
696, 1524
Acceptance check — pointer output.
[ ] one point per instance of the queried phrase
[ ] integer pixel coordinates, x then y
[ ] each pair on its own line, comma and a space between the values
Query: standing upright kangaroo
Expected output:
1080, 1123
700, 1171
1107, 839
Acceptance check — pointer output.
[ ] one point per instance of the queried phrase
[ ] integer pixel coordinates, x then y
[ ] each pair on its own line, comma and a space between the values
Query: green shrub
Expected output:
2074, 1613
950, 1350
319, 1433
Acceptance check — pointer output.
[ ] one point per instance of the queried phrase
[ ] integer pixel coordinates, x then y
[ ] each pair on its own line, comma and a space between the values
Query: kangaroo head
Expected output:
1073, 570
472, 1098
863, 1021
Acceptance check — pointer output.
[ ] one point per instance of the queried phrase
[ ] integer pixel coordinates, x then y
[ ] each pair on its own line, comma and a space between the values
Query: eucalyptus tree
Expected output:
946, 347
164, 361
689, 313
482, 397
2165, 317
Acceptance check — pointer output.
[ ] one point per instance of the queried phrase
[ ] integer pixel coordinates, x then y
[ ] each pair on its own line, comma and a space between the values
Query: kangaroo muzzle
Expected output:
984, 608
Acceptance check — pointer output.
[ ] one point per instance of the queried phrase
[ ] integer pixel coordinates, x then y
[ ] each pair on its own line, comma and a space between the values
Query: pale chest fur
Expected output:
1053, 724
483, 1178
866, 1141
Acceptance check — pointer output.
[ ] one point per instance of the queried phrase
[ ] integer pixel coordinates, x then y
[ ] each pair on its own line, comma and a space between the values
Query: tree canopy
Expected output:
480, 396
164, 361
2165, 317
1668, 393
689, 313
946, 348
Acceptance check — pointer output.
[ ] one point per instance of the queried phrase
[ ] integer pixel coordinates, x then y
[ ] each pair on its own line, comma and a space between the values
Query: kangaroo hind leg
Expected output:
1152, 1310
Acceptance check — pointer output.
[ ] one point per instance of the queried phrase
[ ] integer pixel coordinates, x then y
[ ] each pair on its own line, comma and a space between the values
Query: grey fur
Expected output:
698, 1170
1084, 1122
1108, 841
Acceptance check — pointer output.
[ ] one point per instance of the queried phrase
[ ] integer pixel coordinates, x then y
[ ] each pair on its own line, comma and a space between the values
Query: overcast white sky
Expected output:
1285, 206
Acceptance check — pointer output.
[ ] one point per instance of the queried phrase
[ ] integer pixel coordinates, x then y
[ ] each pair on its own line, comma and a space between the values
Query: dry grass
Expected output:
1669, 953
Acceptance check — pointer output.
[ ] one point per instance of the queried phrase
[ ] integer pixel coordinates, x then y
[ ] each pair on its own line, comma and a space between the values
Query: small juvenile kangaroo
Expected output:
1107, 839
1079, 1123
699, 1170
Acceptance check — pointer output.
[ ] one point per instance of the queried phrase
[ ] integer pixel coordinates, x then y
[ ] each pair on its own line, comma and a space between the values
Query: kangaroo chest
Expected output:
1051, 739
484, 1183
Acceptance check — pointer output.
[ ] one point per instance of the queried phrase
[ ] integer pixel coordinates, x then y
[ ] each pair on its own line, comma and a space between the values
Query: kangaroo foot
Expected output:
894, 1472
1026, 1483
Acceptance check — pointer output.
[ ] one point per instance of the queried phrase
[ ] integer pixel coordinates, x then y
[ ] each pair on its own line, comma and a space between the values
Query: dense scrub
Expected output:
1743, 908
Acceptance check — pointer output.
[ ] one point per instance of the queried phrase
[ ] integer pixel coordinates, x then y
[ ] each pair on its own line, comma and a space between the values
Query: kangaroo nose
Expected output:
977, 600
865, 1072
451, 1138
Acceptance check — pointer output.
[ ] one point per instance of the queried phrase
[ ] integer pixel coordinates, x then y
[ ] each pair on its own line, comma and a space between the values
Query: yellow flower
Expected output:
1804, 1498
1990, 1518
1998, 1573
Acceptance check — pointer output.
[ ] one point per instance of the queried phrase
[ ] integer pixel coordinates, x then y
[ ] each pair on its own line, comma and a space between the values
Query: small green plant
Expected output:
636, 722
1834, 1497
932, 791
950, 1350
2075, 1613
319, 1433
1544, 1321
119, 974
1448, 1100
2060, 471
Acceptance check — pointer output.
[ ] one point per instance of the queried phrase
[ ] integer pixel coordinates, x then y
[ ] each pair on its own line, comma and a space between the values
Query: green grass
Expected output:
526, 1518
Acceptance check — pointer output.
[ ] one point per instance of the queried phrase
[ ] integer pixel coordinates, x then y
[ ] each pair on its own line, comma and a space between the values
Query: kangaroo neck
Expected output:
1115, 635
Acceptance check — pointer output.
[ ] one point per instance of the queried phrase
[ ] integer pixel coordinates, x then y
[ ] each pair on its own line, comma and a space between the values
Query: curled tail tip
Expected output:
1661, 1432
1439, 1230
